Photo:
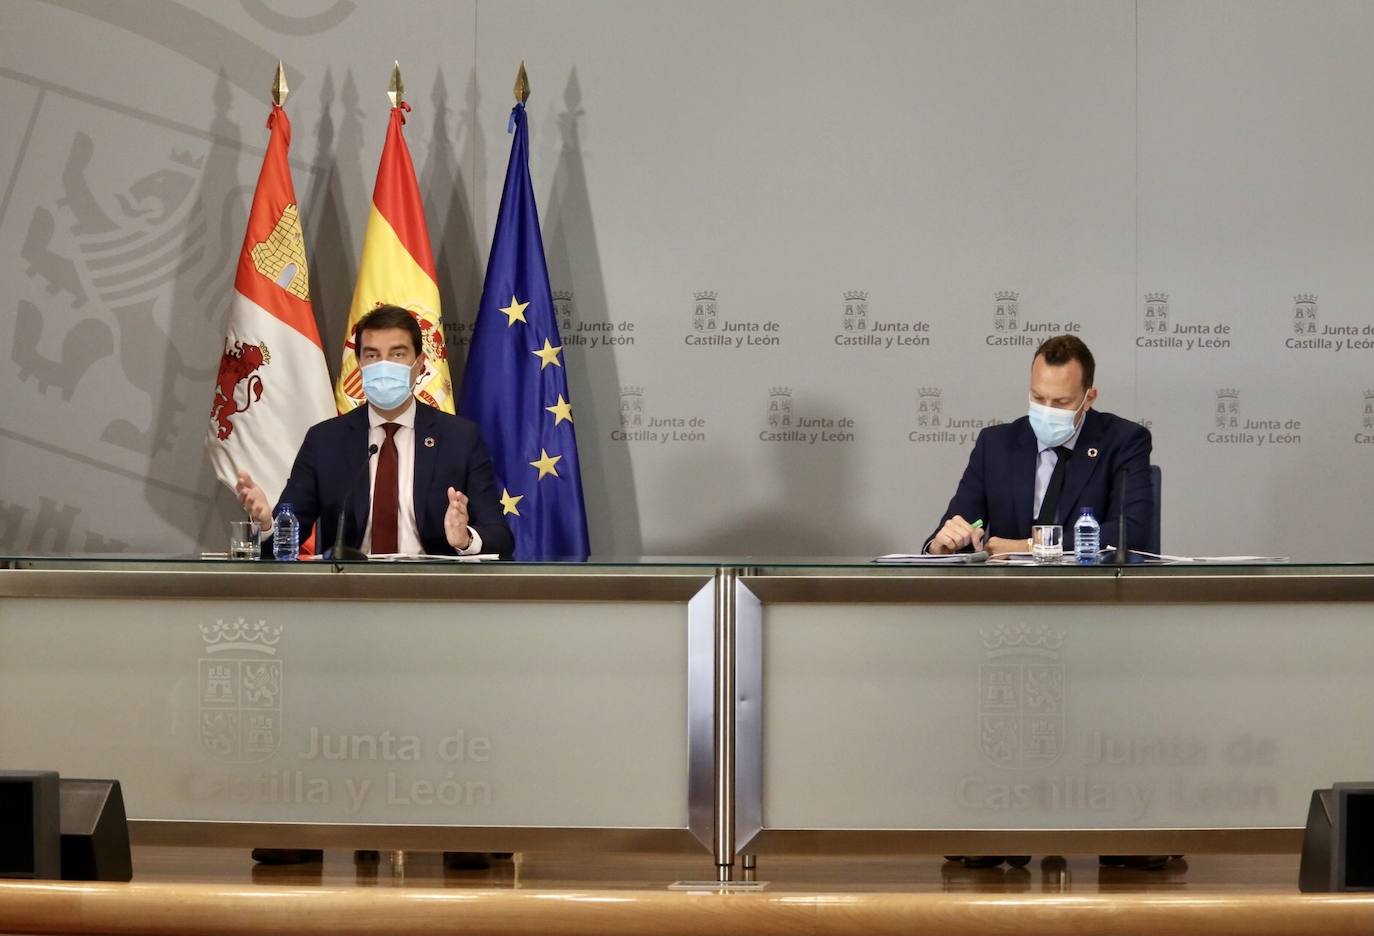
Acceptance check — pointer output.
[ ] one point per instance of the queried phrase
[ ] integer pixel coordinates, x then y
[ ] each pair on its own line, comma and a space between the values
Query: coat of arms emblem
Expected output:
855, 310
704, 312
1007, 311
928, 408
1305, 314
240, 690
1156, 313
1228, 408
1021, 696
632, 407
563, 311
780, 408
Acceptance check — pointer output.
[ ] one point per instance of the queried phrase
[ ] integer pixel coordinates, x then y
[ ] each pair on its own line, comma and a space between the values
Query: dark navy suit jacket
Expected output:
999, 483
330, 467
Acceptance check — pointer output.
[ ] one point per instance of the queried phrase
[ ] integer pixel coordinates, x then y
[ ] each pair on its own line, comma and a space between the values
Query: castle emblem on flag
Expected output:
238, 365
240, 683
281, 258
1021, 696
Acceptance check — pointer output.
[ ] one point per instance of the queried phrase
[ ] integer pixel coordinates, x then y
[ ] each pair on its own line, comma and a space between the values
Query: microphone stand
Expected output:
340, 550
1123, 553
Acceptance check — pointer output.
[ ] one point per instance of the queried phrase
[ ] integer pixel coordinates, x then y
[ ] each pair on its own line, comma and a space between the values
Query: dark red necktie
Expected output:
386, 506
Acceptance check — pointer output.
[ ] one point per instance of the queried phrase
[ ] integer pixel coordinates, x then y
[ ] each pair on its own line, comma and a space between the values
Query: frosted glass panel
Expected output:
478, 713
980, 716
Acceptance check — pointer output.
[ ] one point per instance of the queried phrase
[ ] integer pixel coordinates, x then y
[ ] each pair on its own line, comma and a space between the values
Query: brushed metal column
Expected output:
724, 847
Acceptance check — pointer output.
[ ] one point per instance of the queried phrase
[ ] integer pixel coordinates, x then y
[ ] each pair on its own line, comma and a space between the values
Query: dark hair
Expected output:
387, 316
1061, 349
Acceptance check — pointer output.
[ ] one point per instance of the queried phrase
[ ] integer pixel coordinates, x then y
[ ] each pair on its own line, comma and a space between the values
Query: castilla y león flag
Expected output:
273, 383
397, 268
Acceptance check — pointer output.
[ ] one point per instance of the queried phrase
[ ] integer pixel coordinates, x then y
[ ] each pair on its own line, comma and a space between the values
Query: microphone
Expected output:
340, 550
1123, 553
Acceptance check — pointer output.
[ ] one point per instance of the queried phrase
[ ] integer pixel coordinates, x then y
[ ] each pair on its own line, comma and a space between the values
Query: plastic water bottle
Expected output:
286, 540
1087, 538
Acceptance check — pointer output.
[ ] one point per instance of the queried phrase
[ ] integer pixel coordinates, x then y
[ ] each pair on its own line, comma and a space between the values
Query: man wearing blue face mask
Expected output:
432, 487
1049, 464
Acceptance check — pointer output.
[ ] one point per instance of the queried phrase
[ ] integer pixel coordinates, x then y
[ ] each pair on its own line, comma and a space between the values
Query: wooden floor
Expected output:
220, 891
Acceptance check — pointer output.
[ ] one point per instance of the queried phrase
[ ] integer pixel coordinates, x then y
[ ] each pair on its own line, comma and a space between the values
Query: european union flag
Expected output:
515, 386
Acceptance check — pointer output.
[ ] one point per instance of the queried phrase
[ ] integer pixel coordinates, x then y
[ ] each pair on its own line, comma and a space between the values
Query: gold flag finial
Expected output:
397, 89
279, 88
522, 86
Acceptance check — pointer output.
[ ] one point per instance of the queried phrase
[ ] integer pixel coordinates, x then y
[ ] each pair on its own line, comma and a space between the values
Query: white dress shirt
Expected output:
1044, 467
407, 530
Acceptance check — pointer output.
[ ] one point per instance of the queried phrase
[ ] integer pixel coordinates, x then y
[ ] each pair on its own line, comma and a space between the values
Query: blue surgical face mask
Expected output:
386, 383
1053, 426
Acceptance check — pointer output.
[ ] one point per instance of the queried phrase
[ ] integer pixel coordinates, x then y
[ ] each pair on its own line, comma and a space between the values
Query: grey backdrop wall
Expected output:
802, 250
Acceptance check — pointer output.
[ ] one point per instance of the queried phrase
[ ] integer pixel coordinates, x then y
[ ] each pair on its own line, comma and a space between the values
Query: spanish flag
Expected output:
273, 384
397, 268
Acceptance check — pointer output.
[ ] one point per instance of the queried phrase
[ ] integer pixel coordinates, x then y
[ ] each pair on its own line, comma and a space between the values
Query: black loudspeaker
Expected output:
29, 829
1338, 846
95, 832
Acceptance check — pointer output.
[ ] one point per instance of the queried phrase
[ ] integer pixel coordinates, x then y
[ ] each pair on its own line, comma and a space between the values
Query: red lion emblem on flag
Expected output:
236, 366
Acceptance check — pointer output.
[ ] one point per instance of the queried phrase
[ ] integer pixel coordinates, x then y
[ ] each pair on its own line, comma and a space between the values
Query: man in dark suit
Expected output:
1045, 467
432, 488
1049, 464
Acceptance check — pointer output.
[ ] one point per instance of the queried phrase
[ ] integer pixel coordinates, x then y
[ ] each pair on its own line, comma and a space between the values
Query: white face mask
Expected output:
1053, 426
387, 383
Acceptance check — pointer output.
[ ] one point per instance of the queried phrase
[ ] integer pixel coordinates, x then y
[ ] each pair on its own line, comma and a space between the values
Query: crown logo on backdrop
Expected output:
1156, 297
562, 295
257, 636
186, 158
1022, 638
779, 391
1228, 393
929, 391
1007, 295
1369, 394
852, 295
1305, 298
631, 391
705, 295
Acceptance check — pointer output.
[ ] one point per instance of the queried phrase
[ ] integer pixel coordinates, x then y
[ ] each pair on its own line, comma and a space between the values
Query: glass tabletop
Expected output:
749, 564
